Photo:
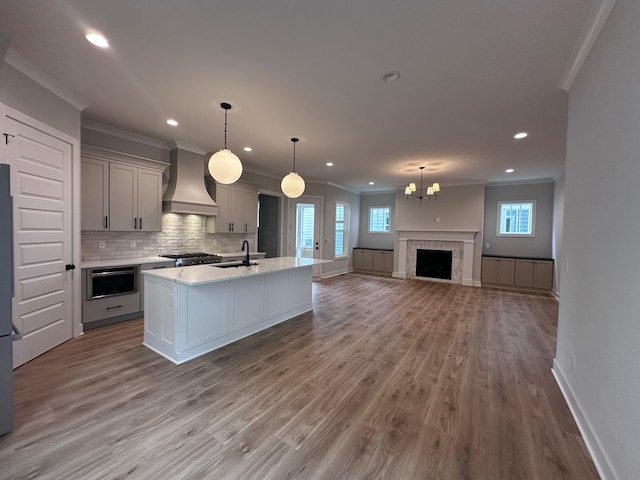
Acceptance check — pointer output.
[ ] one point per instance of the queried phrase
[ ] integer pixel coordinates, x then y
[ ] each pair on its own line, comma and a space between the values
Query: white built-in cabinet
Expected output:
120, 196
237, 209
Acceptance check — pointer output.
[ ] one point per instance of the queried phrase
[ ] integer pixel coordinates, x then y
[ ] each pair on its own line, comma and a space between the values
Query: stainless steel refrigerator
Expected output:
6, 295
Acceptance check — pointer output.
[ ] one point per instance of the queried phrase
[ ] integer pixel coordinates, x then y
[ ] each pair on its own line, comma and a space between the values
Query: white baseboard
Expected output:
336, 273
600, 459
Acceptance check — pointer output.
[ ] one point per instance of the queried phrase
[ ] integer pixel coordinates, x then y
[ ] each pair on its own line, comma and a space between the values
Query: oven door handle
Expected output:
113, 273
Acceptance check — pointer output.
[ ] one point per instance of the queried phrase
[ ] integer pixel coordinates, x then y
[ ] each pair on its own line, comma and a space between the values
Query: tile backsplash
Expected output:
180, 233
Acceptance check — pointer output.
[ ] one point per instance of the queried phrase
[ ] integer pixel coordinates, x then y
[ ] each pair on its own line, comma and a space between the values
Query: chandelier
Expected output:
411, 191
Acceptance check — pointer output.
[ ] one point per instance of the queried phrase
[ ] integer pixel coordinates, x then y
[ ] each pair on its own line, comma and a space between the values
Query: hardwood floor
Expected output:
386, 379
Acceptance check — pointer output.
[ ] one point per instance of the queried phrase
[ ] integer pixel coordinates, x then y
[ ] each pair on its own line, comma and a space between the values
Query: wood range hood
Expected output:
186, 191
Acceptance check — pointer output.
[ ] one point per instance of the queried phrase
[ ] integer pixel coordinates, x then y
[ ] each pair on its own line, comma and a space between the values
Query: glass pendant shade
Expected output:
225, 167
292, 185
412, 187
436, 187
407, 191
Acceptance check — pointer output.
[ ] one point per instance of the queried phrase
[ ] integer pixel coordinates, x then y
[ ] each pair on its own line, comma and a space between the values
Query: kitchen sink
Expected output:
232, 264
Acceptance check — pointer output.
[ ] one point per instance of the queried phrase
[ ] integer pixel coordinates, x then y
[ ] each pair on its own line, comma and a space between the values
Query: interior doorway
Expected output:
268, 224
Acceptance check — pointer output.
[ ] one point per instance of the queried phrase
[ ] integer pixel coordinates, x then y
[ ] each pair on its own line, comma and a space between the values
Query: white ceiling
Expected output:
472, 73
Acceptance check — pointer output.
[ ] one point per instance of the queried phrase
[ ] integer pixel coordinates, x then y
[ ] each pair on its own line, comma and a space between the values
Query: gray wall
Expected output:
538, 246
558, 231
459, 207
30, 98
599, 303
376, 240
119, 144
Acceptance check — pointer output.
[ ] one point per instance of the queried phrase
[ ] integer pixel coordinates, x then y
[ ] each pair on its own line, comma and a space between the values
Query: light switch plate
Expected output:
132, 244
101, 244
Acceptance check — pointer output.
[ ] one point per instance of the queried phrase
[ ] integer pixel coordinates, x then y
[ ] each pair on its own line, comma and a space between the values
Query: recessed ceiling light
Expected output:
391, 76
509, 170
520, 135
97, 39
248, 149
371, 183
172, 122
329, 164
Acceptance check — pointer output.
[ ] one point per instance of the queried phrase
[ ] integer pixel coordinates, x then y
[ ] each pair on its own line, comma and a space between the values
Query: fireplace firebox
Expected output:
434, 263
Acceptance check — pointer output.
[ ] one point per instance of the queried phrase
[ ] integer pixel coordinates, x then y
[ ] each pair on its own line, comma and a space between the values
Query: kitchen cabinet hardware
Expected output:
117, 188
114, 307
237, 205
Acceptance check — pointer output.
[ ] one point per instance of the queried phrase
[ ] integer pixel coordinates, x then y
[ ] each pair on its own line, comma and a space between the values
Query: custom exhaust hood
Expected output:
186, 191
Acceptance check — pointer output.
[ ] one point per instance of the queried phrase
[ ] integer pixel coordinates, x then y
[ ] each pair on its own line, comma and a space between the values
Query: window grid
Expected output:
342, 218
516, 218
379, 219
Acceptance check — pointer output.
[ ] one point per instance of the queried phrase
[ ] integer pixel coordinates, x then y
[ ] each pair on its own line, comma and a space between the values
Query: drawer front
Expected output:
110, 307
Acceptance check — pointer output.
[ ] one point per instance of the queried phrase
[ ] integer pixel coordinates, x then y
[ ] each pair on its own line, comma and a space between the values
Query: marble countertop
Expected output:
200, 274
123, 262
143, 260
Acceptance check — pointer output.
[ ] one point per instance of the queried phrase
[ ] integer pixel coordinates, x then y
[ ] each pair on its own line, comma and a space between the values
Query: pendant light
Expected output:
292, 185
224, 166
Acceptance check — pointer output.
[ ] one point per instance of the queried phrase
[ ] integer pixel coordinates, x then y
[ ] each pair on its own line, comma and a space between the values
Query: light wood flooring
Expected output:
386, 379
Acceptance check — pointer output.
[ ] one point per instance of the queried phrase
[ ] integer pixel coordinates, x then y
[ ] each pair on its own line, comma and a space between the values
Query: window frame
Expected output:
384, 232
346, 230
533, 219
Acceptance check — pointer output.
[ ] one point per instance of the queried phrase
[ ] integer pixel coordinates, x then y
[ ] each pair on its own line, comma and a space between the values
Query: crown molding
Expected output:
189, 147
588, 36
381, 192
341, 187
520, 182
117, 132
28, 69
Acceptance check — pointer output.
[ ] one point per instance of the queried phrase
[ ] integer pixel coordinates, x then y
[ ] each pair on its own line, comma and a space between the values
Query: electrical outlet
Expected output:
573, 363
101, 244
486, 244
132, 244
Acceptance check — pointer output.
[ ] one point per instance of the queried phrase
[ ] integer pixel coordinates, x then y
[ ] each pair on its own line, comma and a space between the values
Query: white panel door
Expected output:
41, 189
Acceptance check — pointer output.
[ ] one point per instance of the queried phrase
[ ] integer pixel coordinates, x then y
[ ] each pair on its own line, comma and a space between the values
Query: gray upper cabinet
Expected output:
95, 194
237, 209
120, 196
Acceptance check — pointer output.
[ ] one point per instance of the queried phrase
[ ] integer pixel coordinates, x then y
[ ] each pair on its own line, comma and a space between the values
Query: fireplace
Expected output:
460, 242
434, 263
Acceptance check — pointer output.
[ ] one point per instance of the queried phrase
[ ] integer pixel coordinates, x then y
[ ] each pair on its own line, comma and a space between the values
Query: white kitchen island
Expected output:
189, 311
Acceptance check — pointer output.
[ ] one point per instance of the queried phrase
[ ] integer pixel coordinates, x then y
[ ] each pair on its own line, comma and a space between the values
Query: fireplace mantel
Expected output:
466, 237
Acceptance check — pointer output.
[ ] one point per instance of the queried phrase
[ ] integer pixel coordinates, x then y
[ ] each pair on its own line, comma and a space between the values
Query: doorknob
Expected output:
69, 266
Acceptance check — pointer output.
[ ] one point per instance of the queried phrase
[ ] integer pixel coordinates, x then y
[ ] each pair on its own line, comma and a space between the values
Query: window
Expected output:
516, 219
342, 229
379, 219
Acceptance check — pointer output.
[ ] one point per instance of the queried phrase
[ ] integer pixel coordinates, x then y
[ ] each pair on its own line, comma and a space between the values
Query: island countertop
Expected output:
201, 274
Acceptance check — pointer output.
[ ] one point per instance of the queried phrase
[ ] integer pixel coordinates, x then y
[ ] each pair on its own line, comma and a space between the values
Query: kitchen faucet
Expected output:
247, 261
